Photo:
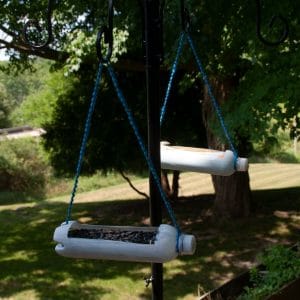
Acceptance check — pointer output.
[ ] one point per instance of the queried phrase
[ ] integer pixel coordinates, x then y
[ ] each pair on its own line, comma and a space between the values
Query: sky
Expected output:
2, 55
2, 51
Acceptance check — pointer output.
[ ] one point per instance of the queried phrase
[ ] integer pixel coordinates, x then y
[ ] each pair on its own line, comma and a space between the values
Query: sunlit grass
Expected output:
58, 187
63, 186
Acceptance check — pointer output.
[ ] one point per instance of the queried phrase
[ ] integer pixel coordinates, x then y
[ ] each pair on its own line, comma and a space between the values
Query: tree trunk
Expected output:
171, 191
233, 195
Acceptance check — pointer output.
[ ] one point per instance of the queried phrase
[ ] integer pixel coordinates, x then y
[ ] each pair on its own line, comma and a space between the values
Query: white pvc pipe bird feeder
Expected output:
122, 243
201, 160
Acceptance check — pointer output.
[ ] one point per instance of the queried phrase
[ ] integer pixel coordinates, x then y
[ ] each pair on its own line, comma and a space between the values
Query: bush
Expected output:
282, 265
277, 148
23, 167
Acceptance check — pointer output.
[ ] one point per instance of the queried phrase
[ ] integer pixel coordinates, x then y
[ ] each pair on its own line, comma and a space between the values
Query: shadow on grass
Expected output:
9, 197
28, 262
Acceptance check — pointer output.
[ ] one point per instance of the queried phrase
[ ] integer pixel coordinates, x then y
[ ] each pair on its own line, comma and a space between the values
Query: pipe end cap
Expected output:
187, 244
242, 164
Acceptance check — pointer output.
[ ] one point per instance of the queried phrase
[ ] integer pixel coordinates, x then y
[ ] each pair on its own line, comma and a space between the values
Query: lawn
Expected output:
30, 268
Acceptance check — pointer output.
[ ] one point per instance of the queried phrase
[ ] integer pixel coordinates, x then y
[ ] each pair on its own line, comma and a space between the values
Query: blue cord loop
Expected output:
87, 128
139, 139
185, 35
211, 95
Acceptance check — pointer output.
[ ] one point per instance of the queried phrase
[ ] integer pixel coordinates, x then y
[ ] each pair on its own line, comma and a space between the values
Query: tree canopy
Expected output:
4, 106
265, 92
16, 88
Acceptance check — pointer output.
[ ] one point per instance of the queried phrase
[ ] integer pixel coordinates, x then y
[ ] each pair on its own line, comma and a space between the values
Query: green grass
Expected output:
30, 268
288, 157
63, 186
57, 187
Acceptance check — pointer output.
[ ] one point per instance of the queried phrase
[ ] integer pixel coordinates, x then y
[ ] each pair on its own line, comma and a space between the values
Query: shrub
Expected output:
23, 167
282, 265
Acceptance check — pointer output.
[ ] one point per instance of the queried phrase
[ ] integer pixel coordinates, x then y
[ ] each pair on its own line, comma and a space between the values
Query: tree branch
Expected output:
47, 52
135, 65
7, 31
6, 43
132, 186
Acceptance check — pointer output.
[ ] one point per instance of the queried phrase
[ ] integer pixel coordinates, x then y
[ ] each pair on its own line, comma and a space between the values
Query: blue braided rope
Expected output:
173, 71
212, 97
143, 148
139, 139
84, 139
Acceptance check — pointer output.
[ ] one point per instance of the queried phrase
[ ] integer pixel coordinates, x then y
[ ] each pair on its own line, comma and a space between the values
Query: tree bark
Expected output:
23, 48
171, 191
232, 193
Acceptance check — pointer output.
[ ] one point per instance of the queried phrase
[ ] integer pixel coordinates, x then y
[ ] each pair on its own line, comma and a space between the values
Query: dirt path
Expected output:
262, 176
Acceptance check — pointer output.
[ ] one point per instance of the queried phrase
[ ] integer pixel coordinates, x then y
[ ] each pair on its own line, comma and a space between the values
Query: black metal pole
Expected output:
153, 49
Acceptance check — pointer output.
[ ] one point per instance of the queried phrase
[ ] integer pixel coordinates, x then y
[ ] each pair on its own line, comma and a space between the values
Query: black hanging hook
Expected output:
185, 16
285, 30
34, 23
107, 31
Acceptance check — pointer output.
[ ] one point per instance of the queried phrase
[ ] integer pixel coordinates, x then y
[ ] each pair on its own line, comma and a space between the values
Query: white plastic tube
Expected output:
200, 160
162, 250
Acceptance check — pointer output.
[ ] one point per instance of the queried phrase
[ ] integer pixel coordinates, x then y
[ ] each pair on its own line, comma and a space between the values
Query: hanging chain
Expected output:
106, 31
33, 23
285, 28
